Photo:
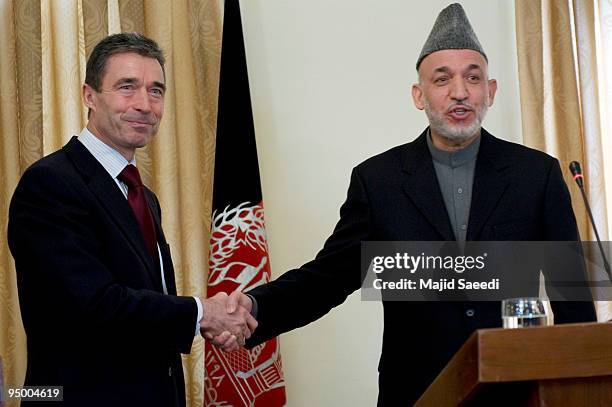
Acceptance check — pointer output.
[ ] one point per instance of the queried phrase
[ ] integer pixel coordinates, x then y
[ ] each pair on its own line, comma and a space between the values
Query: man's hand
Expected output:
227, 321
225, 340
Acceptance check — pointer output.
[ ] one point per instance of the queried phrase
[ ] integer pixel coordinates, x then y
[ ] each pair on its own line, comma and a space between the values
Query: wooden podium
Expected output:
562, 365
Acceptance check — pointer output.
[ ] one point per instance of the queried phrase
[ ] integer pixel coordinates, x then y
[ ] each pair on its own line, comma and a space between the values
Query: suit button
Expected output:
469, 312
170, 371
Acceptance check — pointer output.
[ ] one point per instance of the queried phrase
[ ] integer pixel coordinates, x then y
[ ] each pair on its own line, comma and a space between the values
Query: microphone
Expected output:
577, 174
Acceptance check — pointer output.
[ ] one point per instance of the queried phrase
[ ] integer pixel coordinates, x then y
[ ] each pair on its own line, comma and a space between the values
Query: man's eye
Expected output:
126, 87
442, 79
157, 92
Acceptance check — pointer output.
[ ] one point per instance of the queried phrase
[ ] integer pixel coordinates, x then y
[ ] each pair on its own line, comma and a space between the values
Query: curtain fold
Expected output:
44, 46
12, 337
63, 70
562, 103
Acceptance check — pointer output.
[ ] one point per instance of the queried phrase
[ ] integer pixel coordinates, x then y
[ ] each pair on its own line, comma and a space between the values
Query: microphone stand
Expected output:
578, 175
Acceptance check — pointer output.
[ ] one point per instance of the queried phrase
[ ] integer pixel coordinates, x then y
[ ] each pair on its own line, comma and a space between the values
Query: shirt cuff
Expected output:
200, 315
254, 307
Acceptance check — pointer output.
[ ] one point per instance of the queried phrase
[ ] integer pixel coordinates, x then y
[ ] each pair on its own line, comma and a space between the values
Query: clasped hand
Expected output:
227, 321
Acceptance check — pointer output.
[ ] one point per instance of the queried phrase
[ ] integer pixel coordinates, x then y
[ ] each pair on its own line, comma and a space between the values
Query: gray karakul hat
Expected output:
452, 30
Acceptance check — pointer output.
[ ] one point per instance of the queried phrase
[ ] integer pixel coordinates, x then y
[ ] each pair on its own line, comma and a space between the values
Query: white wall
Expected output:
330, 85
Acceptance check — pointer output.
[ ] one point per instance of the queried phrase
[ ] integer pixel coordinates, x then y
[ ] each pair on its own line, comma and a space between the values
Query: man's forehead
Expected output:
131, 64
453, 59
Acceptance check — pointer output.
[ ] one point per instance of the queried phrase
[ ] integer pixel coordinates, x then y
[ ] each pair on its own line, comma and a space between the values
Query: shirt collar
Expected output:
112, 161
453, 159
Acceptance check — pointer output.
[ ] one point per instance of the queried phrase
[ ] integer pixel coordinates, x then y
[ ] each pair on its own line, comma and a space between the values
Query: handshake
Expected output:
227, 321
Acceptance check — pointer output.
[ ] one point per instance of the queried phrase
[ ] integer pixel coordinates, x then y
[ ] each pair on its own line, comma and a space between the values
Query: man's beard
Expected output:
438, 123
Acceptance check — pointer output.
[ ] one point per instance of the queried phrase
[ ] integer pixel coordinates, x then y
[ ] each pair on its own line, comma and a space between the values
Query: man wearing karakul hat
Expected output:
454, 182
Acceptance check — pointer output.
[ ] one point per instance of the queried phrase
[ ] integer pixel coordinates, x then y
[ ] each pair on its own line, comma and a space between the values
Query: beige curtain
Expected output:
44, 45
566, 96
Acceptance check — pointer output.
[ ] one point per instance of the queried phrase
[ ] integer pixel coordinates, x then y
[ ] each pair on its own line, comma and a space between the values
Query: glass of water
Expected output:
524, 312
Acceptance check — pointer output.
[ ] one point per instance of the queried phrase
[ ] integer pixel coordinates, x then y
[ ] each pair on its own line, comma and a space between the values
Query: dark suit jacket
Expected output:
96, 318
518, 194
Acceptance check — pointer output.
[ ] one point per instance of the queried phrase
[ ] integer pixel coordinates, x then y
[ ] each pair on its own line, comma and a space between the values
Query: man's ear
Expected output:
89, 96
417, 96
492, 91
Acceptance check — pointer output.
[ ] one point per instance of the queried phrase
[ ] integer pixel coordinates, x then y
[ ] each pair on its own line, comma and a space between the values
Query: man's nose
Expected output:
458, 90
141, 100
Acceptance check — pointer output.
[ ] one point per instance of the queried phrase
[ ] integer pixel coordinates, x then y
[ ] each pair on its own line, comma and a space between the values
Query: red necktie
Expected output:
138, 201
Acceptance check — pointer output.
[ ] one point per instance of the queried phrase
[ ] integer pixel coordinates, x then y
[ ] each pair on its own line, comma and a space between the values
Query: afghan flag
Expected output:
238, 246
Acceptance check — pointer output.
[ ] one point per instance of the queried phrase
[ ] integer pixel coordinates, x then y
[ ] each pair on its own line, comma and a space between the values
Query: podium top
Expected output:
526, 354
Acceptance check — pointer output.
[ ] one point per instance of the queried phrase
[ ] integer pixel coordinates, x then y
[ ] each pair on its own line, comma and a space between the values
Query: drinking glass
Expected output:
523, 312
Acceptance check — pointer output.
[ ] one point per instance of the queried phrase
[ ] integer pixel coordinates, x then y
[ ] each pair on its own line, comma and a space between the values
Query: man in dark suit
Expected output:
454, 182
95, 278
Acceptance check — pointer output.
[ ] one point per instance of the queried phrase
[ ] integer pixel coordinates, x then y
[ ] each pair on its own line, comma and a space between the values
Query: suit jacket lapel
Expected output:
109, 195
489, 184
421, 186
164, 248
